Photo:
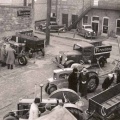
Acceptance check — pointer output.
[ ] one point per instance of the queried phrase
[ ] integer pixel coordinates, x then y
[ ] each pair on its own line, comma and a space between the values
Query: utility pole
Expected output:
32, 13
48, 22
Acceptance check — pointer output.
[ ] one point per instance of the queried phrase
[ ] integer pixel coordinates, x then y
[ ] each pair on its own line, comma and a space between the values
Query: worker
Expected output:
118, 76
83, 82
47, 109
10, 60
3, 55
73, 80
108, 81
34, 112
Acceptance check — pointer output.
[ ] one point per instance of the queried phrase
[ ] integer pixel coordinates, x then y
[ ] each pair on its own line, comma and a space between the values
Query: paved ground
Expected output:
20, 82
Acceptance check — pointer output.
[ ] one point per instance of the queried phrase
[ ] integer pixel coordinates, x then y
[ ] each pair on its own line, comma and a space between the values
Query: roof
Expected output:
84, 44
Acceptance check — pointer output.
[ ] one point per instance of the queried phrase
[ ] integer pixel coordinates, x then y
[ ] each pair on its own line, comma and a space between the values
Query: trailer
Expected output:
105, 105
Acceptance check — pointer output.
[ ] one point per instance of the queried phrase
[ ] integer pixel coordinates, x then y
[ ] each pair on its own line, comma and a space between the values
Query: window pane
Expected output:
95, 18
105, 22
85, 19
118, 23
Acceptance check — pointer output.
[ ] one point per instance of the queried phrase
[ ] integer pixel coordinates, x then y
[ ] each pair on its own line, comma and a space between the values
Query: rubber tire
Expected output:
46, 88
51, 89
22, 58
96, 82
8, 118
102, 62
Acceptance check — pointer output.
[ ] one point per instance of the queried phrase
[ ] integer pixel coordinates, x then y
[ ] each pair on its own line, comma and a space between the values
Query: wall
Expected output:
111, 14
10, 22
40, 11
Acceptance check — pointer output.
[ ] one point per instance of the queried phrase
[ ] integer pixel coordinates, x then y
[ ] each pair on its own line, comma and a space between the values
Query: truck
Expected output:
93, 52
32, 42
106, 105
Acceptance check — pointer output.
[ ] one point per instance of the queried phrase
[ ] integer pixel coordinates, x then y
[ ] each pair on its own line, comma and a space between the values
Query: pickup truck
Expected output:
94, 53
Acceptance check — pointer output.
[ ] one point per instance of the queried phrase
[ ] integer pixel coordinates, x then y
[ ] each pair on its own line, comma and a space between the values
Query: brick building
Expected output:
103, 15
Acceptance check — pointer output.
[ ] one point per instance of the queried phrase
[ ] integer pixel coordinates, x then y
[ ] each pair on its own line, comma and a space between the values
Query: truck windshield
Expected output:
77, 47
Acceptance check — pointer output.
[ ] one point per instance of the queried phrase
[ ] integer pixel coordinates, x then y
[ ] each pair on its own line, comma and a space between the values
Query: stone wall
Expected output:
10, 22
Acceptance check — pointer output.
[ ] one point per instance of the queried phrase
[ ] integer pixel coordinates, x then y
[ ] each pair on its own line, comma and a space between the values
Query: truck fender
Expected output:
69, 63
101, 61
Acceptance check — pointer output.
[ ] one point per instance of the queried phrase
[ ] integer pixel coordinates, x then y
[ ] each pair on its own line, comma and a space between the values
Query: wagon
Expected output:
106, 105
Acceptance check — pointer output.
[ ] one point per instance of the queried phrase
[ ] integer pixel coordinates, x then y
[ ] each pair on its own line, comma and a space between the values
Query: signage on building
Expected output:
102, 49
23, 13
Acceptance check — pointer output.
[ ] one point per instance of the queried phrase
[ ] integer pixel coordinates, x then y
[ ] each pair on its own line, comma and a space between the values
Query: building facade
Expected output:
103, 15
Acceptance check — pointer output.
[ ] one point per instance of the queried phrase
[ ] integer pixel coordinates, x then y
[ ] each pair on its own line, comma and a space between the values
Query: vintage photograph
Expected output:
59, 60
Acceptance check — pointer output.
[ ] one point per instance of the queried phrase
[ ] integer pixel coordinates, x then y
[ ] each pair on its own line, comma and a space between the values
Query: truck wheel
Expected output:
93, 83
52, 89
46, 87
22, 60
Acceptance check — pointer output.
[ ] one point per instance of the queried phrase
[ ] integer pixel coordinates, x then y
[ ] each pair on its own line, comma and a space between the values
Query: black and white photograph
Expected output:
59, 59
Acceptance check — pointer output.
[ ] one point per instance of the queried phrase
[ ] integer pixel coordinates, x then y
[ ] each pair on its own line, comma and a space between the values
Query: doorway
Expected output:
65, 19
105, 25
95, 26
74, 18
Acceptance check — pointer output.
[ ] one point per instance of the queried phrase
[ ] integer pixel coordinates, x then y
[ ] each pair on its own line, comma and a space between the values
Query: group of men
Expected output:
7, 56
79, 81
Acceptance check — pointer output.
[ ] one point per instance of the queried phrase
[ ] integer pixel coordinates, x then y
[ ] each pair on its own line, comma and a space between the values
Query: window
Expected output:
118, 27
105, 25
95, 18
85, 19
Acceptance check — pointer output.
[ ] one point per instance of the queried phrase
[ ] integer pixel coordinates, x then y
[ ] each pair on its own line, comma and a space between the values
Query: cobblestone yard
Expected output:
20, 82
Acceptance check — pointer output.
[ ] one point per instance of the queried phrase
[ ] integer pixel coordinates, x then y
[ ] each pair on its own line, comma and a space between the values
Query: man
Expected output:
83, 82
3, 55
34, 110
73, 80
10, 57
47, 109
108, 81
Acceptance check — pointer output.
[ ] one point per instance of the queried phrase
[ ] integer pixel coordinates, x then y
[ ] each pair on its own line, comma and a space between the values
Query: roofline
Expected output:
106, 8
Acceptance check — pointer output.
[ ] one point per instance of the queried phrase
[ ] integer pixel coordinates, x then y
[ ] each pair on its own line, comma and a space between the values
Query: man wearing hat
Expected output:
83, 82
34, 110
73, 80
108, 81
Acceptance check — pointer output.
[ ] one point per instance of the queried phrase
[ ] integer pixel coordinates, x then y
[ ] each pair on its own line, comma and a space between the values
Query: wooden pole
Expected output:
48, 22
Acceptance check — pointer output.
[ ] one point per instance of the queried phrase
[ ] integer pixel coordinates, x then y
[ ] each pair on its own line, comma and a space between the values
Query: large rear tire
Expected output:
22, 60
93, 83
51, 89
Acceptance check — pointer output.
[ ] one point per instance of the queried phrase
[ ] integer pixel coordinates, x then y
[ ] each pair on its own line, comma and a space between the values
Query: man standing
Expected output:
10, 57
34, 111
83, 82
72, 80
108, 81
3, 55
